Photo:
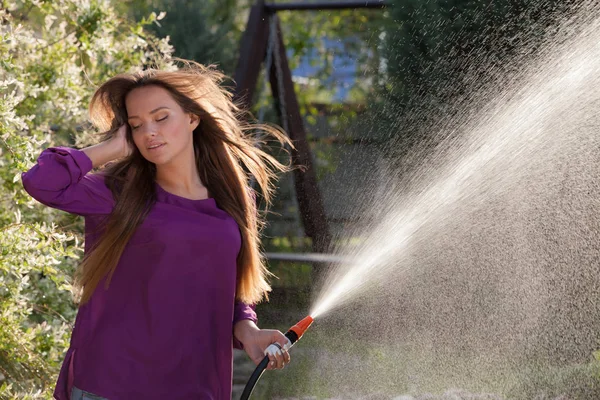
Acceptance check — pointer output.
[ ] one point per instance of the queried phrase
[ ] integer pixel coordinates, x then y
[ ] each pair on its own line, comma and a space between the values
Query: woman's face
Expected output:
161, 129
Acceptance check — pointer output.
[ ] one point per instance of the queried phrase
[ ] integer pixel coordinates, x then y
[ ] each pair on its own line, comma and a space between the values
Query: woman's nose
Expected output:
149, 130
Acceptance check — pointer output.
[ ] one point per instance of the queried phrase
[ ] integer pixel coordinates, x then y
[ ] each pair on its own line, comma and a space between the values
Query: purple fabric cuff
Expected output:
241, 312
81, 159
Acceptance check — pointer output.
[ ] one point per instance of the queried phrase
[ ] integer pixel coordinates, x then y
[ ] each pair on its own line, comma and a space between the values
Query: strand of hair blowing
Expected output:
226, 157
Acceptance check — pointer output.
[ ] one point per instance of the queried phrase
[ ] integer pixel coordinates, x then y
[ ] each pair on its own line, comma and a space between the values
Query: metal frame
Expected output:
325, 5
308, 258
252, 54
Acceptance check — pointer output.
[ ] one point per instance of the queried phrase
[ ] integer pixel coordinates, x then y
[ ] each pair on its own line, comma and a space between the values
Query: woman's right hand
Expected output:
122, 144
109, 150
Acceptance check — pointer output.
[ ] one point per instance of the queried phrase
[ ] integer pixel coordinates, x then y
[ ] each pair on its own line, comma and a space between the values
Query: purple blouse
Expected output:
164, 327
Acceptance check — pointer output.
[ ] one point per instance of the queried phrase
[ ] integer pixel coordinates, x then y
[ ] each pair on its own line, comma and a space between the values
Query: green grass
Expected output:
330, 363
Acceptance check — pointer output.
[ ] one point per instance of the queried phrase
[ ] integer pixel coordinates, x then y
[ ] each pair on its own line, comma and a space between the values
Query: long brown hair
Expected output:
227, 156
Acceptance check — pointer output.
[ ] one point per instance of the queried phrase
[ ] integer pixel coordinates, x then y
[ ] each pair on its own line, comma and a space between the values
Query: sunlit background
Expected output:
455, 151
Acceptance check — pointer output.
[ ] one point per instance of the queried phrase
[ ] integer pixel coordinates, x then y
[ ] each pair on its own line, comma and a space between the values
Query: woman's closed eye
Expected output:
134, 127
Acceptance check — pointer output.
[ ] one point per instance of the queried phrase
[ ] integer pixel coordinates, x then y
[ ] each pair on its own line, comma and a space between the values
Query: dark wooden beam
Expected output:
325, 5
252, 53
312, 211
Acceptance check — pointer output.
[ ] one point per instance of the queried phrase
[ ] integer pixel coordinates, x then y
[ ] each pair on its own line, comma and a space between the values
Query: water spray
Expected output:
293, 335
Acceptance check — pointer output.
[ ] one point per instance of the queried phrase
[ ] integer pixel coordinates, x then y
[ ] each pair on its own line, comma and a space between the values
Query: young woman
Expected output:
172, 263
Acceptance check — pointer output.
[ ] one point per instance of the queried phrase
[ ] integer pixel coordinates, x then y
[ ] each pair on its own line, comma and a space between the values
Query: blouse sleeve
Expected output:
60, 180
243, 311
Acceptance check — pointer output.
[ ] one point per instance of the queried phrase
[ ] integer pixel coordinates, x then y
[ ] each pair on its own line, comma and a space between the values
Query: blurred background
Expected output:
371, 84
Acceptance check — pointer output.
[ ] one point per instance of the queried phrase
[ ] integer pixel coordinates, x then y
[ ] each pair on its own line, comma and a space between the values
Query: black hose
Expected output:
260, 368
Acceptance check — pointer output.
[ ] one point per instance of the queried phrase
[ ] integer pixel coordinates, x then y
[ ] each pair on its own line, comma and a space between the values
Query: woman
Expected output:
172, 259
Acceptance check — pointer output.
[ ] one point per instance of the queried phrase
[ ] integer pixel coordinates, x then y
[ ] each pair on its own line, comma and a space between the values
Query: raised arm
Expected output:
110, 150
60, 178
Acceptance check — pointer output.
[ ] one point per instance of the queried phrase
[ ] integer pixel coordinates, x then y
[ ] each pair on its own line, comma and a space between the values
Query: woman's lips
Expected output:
156, 147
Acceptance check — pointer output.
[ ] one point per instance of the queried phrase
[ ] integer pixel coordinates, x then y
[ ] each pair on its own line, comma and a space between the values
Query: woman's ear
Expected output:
194, 121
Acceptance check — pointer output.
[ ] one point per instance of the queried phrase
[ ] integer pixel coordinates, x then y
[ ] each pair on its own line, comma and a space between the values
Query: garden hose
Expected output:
293, 335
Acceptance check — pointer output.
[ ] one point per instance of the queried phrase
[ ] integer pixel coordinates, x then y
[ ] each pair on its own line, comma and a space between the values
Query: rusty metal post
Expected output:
312, 211
252, 54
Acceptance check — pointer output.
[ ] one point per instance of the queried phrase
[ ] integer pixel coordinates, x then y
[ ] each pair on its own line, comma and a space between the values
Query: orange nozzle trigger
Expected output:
302, 326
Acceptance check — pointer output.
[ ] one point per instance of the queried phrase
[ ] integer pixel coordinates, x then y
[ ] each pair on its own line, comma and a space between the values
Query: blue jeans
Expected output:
78, 394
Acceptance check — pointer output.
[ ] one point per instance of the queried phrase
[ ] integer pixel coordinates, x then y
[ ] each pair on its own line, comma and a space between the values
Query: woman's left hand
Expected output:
256, 341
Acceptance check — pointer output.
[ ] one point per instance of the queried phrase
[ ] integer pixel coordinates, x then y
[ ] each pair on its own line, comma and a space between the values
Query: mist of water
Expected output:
558, 96
492, 243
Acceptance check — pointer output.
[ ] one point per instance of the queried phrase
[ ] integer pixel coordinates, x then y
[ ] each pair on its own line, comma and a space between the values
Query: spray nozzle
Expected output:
302, 326
296, 331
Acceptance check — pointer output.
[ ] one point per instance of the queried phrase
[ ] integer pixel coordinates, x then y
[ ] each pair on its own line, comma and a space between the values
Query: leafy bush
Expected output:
52, 54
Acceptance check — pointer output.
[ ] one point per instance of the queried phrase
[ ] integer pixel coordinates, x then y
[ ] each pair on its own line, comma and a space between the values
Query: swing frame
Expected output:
253, 52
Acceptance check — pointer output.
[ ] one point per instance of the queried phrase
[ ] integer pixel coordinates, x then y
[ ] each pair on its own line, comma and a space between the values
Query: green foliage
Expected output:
356, 32
209, 32
323, 36
442, 54
53, 54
